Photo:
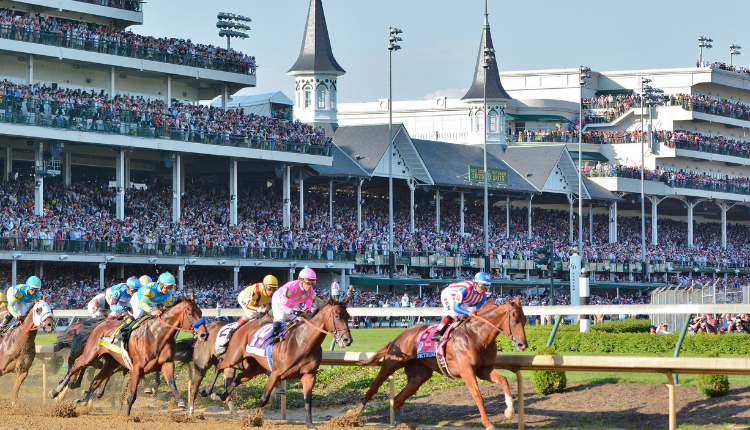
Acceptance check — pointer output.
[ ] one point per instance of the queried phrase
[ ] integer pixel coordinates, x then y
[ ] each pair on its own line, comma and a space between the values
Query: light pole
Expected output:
733, 50
489, 58
703, 42
582, 82
392, 39
232, 25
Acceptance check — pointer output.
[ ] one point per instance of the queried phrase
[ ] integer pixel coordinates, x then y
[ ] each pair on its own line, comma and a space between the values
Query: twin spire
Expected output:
495, 89
315, 55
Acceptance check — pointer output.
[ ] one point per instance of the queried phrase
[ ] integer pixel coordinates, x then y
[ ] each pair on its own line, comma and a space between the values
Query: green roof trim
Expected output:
589, 156
536, 118
614, 92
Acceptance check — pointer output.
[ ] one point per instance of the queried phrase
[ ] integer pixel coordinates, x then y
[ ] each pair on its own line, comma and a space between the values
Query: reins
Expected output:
335, 334
488, 322
184, 309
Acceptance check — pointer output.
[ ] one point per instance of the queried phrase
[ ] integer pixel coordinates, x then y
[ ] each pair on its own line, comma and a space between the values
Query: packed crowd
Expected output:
134, 5
203, 123
89, 36
695, 141
561, 135
730, 68
607, 108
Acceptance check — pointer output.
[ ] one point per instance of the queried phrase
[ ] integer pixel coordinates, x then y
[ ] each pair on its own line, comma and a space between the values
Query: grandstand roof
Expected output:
342, 165
315, 55
598, 192
495, 89
367, 145
448, 164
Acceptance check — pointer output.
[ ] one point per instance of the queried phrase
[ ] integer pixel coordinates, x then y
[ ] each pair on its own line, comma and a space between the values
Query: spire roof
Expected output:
315, 55
495, 89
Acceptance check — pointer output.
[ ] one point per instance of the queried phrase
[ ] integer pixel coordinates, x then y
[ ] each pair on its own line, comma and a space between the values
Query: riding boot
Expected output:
4, 324
438, 336
276, 331
240, 322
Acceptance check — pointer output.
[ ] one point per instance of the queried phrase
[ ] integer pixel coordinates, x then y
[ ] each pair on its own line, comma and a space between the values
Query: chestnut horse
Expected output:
17, 349
151, 348
297, 356
470, 353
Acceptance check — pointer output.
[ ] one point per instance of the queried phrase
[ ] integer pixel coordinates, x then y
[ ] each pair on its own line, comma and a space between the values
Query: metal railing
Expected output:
105, 120
669, 181
742, 112
170, 249
710, 149
132, 5
104, 45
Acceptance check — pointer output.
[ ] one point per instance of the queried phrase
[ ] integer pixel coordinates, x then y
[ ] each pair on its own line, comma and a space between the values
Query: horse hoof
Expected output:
215, 397
148, 391
311, 426
509, 413
52, 394
182, 405
490, 428
204, 393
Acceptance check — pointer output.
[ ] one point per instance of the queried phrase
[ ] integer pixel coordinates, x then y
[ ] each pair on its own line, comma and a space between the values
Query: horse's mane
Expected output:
177, 301
320, 304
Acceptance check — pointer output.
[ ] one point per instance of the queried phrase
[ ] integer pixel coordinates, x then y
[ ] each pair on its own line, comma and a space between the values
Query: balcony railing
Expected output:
735, 113
170, 250
691, 184
133, 5
103, 45
710, 149
68, 116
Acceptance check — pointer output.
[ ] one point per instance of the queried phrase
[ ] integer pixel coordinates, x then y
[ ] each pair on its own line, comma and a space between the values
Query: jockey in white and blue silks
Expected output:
150, 296
118, 296
458, 295
21, 298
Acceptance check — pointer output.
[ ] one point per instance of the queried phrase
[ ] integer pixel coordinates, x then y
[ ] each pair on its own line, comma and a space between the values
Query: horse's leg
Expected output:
108, 367
199, 372
168, 370
20, 377
417, 373
228, 373
308, 382
157, 381
387, 369
76, 383
491, 374
273, 379
135, 377
243, 377
469, 376
103, 388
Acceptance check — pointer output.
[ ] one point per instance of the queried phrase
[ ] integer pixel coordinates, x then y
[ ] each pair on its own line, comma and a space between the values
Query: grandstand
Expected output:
110, 161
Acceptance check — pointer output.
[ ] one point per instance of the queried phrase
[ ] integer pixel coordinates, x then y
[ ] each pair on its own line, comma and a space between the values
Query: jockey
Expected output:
458, 295
97, 306
118, 296
145, 280
299, 294
21, 297
151, 295
254, 300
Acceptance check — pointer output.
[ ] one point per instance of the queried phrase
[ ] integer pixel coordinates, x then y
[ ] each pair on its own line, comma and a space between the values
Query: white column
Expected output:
111, 90
121, 271
8, 163
591, 223
724, 208
285, 198
531, 196
655, 200
30, 69
437, 210
176, 188
41, 270
330, 203
38, 179
412, 186
236, 279
120, 184
462, 213
507, 217
571, 199
66, 168
102, 266
224, 95
168, 90
14, 272
181, 277
233, 191
302, 201
359, 205
690, 207
613, 222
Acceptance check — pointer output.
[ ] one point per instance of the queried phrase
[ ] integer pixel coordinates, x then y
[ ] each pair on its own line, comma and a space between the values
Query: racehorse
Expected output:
297, 356
469, 353
17, 349
151, 348
71, 343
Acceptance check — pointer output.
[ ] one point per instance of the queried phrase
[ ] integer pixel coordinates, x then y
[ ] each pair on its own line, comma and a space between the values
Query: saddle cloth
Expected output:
427, 348
121, 347
259, 343
221, 339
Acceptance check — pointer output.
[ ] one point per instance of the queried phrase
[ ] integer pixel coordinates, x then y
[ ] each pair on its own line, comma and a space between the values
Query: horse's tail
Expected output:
184, 353
375, 358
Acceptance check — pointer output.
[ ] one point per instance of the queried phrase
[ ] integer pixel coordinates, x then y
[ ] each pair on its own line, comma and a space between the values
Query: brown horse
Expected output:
151, 349
297, 356
17, 349
470, 353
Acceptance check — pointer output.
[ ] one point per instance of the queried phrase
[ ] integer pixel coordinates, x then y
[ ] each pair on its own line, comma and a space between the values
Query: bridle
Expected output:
510, 336
337, 332
184, 315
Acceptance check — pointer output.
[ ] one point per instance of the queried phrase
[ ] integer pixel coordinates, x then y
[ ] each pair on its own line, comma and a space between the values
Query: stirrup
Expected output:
437, 337
274, 340
110, 339
281, 390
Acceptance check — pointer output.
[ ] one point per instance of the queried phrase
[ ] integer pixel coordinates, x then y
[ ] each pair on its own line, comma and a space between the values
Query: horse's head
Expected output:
336, 321
516, 321
42, 316
191, 317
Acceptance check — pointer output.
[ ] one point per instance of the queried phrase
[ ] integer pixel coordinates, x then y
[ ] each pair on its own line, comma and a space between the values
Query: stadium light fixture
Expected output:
583, 75
232, 25
110, 258
258, 263
222, 262
17, 255
393, 38
64, 257
489, 61
192, 261
733, 50
703, 42
152, 260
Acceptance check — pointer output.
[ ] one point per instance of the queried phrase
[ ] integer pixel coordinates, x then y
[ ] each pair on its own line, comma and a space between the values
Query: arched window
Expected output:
493, 122
322, 97
333, 99
308, 98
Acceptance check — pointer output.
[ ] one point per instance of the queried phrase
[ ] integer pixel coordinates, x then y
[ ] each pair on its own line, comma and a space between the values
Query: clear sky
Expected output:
441, 37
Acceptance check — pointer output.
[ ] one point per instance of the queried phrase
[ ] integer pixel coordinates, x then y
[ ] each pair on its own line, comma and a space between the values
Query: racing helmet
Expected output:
271, 282
307, 273
483, 278
166, 278
133, 283
34, 282
145, 280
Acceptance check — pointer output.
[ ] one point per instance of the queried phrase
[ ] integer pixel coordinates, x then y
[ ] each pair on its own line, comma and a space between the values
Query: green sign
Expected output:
497, 176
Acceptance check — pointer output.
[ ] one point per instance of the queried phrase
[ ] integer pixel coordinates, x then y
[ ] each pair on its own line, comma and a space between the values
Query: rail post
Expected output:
391, 397
679, 342
672, 402
554, 331
44, 380
283, 402
519, 379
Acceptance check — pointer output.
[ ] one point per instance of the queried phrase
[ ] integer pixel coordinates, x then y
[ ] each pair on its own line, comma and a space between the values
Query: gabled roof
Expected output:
598, 192
367, 145
495, 89
315, 55
449, 163
342, 165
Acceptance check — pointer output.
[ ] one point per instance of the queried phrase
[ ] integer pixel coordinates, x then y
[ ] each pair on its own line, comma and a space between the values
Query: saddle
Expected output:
122, 333
427, 348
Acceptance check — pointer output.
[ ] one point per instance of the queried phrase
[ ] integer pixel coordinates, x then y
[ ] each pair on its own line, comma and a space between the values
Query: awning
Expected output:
367, 281
535, 118
370, 281
614, 92
588, 156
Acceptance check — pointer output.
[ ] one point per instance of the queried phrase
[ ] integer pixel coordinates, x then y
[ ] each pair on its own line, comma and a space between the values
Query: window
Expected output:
480, 123
473, 126
299, 99
493, 122
333, 99
308, 98
322, 98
